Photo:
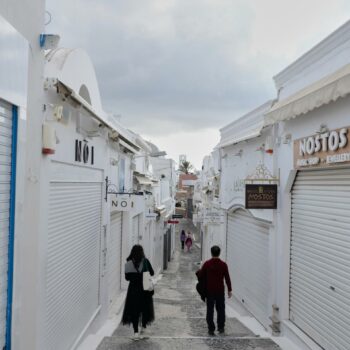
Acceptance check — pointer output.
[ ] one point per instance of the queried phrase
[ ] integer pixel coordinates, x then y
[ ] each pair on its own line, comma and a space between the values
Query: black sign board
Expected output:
261, 196
177, 216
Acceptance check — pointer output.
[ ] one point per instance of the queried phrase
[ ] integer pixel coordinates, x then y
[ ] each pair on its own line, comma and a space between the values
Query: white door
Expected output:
7, 183
247, 259
73, 256
320, 257
115, 256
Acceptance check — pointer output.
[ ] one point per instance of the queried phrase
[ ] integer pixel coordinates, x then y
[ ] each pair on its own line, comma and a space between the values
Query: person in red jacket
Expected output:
214, 272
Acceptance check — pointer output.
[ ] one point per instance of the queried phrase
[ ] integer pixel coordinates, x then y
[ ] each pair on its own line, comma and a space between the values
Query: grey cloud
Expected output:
166, 70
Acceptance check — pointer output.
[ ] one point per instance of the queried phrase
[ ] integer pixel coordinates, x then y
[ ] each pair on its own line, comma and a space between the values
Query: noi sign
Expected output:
323, 149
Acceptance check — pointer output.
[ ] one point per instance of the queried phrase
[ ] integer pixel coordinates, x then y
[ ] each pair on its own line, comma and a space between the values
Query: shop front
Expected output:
115, 255
8, 152
248, 261
248, 228
320, 240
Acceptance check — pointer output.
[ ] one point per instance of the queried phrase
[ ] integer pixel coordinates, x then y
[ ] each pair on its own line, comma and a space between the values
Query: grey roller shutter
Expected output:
114, 256
135, 229
6, 120
72, 271
248, 262
320, 256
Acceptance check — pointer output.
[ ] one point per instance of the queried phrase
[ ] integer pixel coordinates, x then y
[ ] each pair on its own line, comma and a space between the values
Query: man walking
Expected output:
213, 273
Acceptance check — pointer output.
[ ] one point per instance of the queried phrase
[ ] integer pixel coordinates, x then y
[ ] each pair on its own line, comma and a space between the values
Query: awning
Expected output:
122, 134
128, 146
245, 128
247, 136
322, 92
143, 180
161, 210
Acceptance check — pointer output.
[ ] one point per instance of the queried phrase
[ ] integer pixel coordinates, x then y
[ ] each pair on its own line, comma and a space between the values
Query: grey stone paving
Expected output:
180, 317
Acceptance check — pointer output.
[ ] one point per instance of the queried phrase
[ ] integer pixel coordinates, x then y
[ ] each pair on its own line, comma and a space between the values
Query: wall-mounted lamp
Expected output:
269, 144
287, 139
49, 139
114, 162
323, 128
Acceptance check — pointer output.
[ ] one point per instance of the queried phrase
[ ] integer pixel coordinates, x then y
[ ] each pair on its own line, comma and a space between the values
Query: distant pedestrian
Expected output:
182, 239
139, 303
189, 241
214, 272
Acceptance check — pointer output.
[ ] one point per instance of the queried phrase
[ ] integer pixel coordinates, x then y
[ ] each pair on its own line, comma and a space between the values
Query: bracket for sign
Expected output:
262, 175
112, 189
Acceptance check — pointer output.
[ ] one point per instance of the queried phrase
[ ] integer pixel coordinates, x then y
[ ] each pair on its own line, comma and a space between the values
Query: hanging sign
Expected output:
121, 202
323, 149
177, 216
151, 215
260, 196
213, 217
173, 221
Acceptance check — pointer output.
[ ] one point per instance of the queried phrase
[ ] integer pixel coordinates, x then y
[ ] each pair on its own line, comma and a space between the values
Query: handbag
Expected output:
147, 280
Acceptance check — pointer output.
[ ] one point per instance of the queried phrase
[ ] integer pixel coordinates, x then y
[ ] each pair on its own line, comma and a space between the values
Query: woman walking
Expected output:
182, 239
139, 303
189, 241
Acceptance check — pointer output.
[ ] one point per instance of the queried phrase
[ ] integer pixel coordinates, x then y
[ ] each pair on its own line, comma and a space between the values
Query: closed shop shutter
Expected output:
135, 229
114, 256
72, 271
6, 122
248, 262
320, 256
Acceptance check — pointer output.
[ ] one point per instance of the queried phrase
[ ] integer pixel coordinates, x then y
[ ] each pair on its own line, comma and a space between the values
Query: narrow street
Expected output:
180, 316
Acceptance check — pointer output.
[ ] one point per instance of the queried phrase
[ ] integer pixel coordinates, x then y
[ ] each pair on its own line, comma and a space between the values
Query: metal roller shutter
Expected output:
248, 262
115, 252
6, 137
135, 229
320, 256
72, 271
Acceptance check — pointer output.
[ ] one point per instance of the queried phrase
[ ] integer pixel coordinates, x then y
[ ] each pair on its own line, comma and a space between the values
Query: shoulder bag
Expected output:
148, 284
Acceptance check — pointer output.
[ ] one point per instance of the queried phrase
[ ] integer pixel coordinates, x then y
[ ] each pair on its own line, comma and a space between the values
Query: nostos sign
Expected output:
261, 196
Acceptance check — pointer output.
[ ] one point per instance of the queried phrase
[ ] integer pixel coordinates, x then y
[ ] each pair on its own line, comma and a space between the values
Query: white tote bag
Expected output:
148, 284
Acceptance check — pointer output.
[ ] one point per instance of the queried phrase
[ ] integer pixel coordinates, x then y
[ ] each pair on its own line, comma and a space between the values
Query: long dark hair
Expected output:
136, 254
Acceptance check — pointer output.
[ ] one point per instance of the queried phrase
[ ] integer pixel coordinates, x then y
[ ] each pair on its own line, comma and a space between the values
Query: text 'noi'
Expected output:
84, 153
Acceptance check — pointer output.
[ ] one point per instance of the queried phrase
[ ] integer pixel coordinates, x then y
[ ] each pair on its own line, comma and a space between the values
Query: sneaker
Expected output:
136, 336
143, 333
211, 333
221, 330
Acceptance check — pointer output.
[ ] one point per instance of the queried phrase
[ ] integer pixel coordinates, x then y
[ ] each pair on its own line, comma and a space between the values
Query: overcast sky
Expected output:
178, 70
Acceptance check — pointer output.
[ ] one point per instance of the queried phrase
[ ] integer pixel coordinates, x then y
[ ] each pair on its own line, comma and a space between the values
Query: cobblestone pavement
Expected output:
180, 316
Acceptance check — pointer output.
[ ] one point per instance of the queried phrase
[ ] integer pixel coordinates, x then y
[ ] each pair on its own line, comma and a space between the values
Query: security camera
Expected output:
100, 125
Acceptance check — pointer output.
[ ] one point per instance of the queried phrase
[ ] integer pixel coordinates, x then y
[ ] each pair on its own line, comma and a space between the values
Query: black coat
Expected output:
138, 302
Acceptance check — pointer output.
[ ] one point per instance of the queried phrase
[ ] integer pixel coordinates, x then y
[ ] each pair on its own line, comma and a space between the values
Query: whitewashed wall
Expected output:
25, 90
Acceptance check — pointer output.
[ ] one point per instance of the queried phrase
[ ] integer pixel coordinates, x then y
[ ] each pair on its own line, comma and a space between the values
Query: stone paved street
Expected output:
180, 317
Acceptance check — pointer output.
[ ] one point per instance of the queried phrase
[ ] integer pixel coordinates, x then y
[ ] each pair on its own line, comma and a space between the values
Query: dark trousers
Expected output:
219, 302
182, 245
136, 321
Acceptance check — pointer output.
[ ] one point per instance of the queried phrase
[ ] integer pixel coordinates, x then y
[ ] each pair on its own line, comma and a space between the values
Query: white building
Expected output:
248, 233
164, 171
312, 240
209, 215
21, 72
290, 266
